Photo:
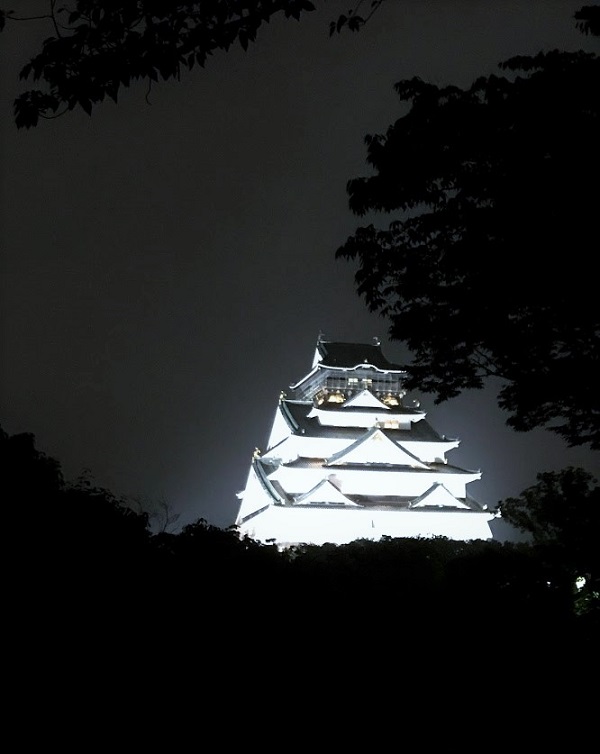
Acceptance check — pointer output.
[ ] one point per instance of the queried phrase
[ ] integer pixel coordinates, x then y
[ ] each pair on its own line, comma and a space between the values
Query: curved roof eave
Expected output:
265, 482
337, 353
361, 365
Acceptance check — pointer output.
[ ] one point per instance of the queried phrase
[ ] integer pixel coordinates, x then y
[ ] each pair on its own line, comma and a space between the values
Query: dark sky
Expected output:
166, 268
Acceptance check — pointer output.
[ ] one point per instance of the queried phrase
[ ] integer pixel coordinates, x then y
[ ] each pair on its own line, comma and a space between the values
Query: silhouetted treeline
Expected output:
87, 572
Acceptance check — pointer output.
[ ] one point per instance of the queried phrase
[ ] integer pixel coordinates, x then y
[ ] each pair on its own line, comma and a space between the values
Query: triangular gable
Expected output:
324, 493
374, 447
365, 398
439, 497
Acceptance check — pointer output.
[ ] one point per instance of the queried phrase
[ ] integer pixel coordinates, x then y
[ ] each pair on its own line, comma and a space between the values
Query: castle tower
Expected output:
350, 457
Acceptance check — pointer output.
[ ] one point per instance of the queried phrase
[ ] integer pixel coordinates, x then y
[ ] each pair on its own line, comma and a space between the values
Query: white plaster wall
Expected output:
351, 418
307, 447
280, 429
322, 447
430, 452
406, 483
302, 525
253, 498
378, 449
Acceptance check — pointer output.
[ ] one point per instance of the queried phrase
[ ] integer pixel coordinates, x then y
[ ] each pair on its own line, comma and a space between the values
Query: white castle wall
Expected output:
321, 447
358, 482
288, 525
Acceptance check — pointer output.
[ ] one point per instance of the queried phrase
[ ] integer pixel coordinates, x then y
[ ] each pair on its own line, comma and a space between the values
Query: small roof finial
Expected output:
320, 336
376, 341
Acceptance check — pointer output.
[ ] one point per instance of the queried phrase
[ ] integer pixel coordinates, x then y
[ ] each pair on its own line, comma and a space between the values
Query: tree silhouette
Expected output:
92, 590
99, 46
70, 541
561, 512
487, 270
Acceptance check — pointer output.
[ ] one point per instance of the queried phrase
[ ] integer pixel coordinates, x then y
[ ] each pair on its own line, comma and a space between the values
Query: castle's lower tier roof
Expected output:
380, 502
282, 491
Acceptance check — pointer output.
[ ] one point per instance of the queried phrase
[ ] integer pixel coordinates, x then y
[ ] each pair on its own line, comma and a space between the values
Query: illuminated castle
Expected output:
350, 457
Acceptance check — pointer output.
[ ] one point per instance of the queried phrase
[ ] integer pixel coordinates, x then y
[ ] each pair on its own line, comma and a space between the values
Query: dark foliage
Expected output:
67, 540
95, 597
562, 514
353, 20
487, 272
97, 47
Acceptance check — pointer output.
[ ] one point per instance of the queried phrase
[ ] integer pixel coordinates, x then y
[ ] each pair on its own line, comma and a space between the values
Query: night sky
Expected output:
167, 267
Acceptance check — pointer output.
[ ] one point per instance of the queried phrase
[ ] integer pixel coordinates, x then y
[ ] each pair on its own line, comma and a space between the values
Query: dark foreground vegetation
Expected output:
90, 578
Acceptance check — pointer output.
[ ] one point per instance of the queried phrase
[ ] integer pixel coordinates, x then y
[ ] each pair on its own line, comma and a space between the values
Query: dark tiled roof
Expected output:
390, 411
262, 470
403, 503
319, 463
352, 354
297, 412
